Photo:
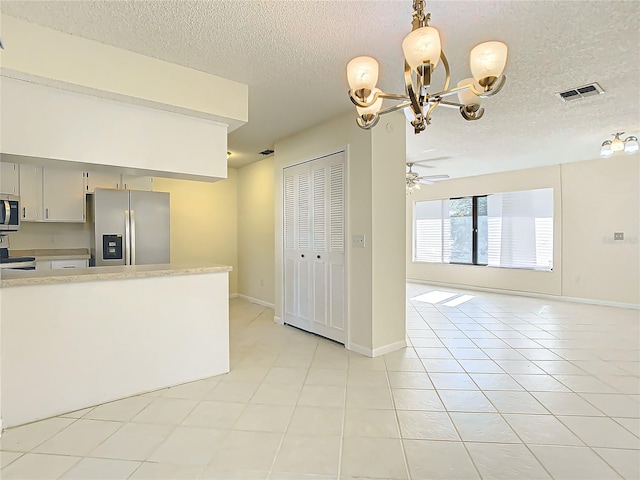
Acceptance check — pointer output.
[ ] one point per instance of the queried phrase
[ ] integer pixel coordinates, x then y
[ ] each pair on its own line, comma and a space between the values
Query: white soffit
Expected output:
293, 54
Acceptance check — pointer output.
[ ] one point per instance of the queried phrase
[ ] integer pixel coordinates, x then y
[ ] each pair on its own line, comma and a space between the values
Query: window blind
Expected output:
520, 229
432, 232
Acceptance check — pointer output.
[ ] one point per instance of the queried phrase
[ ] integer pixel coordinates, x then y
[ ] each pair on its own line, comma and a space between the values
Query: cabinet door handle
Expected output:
24, 212
46, 213
318, 256
302, 255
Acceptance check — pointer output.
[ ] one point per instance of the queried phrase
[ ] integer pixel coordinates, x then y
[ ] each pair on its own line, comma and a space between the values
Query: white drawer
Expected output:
43, 264
58, 264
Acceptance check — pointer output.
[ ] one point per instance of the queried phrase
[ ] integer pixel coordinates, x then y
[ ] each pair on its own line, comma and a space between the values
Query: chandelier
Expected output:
422, 53
628, 146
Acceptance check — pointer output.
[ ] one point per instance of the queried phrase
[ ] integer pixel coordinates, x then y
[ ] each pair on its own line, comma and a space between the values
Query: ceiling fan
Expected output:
414, 179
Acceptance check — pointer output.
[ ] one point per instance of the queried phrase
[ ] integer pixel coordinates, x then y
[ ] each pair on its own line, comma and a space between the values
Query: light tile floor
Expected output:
497, 387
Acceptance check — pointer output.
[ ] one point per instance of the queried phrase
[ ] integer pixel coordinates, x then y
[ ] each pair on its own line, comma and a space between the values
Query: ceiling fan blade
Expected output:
434, 177
426, 182
426, 160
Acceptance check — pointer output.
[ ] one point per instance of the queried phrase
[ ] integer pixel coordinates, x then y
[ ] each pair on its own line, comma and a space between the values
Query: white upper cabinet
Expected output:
50, 194
9, 178
63, 195
96, 179
131, 182
31, 193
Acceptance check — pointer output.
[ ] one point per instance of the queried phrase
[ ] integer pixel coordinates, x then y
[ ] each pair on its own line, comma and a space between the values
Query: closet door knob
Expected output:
318, 256
302, 255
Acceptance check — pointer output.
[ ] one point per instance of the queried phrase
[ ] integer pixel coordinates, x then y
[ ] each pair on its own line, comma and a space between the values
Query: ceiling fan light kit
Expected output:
628, 146
422, 52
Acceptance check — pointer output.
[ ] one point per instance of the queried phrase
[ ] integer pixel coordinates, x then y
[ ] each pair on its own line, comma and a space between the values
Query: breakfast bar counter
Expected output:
80, 337
13, 278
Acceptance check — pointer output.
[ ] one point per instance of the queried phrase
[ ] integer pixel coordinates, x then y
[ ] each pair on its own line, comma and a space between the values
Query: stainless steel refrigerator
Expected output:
129, 227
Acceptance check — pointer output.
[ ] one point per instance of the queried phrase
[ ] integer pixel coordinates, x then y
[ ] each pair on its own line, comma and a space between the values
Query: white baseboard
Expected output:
376, 352
254, 300
392, 347
278, 320
354, 347
546, 296
233, 295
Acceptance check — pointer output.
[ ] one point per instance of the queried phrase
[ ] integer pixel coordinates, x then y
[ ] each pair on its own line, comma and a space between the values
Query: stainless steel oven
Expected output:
18, 263
9, 213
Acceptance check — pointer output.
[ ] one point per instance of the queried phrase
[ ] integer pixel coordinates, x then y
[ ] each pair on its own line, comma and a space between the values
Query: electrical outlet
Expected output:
357, 241
618, 236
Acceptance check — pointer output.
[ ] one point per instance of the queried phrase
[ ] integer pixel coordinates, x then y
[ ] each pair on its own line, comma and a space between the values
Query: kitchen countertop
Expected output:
16, 278
54, 253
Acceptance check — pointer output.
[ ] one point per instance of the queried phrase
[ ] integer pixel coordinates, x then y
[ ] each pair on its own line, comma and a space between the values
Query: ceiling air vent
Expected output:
266, 152
580, 92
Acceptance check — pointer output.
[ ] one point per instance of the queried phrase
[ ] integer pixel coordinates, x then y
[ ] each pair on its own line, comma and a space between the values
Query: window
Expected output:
511, 229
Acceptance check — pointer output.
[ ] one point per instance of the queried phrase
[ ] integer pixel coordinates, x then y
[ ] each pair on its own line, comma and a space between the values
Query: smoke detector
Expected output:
577, 93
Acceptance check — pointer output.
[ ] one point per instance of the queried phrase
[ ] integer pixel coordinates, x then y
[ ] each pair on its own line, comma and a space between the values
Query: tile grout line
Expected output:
21, 454
464, 445
395, 411
295, 405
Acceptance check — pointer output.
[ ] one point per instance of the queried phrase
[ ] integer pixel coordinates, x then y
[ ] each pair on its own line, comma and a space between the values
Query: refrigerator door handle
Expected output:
133, 237
127, 234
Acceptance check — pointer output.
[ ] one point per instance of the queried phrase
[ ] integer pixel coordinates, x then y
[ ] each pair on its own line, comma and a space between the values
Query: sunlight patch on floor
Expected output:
434, 297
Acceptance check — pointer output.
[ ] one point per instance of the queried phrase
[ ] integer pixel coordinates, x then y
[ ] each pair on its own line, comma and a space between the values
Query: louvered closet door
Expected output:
297, 235
314, 238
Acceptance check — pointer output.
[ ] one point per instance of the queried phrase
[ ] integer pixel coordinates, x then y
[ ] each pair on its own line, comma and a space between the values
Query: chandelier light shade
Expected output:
422, 46
631, 146
627, 146
362, 73
423, 52
487, 61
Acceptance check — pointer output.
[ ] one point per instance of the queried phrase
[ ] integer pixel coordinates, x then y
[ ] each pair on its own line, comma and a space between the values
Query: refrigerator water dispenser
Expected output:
112, 247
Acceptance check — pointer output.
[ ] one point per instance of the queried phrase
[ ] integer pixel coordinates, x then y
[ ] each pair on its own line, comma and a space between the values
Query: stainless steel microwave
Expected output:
9, 213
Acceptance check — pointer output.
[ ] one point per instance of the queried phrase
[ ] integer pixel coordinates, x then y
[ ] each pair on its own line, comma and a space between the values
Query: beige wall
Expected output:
388, 155
592, 200
204, 221
601, 197
34, 236
367, 179
256, 231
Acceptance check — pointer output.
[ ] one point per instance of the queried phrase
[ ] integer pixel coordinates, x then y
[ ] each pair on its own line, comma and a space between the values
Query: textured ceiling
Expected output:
292, 54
